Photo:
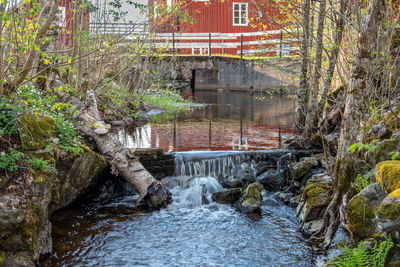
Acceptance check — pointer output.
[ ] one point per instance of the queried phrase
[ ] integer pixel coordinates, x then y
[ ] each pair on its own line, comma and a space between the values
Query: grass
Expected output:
170, 102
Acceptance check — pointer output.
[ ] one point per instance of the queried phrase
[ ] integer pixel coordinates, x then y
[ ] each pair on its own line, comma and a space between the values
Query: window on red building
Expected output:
240, 14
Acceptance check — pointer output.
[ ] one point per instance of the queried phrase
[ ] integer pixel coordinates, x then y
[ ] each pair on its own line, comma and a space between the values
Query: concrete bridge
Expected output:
236, 74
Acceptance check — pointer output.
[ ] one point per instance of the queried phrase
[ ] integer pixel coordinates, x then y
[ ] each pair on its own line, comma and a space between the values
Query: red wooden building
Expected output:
235, 27
66, 23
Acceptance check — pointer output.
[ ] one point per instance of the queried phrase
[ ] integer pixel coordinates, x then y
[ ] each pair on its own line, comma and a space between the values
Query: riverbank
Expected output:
46, 163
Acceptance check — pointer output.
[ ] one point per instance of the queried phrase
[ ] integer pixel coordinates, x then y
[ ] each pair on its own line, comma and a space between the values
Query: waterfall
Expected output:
208, 163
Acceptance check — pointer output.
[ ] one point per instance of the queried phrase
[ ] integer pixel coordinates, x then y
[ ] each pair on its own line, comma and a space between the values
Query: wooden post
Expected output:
241, 46
209, 44
280, 46
173, 43
241, 129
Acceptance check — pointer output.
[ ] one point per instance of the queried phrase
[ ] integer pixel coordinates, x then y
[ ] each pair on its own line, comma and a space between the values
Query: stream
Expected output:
104, 229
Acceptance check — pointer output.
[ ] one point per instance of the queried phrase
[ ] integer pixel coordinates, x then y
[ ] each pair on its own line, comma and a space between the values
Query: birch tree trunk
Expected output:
122, 160
302, 92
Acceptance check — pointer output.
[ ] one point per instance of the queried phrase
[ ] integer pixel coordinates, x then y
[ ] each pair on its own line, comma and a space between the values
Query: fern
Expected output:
361, 256
362, 181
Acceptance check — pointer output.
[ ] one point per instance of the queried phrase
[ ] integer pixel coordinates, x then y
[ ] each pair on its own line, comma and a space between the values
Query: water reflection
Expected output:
232, 121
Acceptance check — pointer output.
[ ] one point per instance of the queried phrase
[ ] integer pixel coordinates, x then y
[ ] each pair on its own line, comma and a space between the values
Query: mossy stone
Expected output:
361, 218
252, 198
316, 193
394, 263
2, 257
388, 175
35, 130
390, 206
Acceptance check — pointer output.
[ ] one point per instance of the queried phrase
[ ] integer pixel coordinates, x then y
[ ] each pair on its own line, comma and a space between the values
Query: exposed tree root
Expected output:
331, 220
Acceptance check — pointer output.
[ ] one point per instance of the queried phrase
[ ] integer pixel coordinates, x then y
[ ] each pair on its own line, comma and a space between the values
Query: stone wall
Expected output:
156, 162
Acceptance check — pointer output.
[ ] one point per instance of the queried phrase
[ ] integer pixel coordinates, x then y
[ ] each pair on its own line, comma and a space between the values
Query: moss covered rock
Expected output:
35, 130
252, 199
388, 175
75, 175
388, 214
298, 170
2, 258
314, 193
361, 212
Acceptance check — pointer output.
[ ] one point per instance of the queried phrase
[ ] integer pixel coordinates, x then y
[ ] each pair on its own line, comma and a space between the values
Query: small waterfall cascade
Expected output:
199, 174
212, 164
192, 192
140, 137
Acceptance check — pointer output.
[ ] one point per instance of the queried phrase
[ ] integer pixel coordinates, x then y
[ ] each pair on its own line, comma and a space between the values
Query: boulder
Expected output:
273, 180
298, 170
294, 201
236, 183
388, 175
320, 177
361, 209
315, 193
252, 198
388, 215
19, 259
246, 173
75, 174
25, 231
35, 130
284, 197
229, 196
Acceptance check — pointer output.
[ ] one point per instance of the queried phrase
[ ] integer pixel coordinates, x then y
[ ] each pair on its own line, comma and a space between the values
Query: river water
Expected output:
231, 120
105, 230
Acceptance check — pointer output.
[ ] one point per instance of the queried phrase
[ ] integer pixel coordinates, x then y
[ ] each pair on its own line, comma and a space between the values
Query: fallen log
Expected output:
121, 159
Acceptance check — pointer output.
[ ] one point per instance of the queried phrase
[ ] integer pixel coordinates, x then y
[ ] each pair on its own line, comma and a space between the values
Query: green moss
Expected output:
30, 227
2, 257
394, 263
253, 191
361, 218
390, 206
35, 130
317, 193
388, 175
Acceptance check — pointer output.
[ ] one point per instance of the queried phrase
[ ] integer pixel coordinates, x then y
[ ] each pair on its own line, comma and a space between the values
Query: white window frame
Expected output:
240, 12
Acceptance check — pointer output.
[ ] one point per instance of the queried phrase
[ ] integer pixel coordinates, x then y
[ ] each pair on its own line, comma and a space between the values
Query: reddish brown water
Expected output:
230, 121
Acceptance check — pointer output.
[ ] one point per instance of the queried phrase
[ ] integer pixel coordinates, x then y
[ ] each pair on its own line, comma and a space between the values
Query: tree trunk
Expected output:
337, 40
344, 168
302, 93
123, 162
41, 31
312, 115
